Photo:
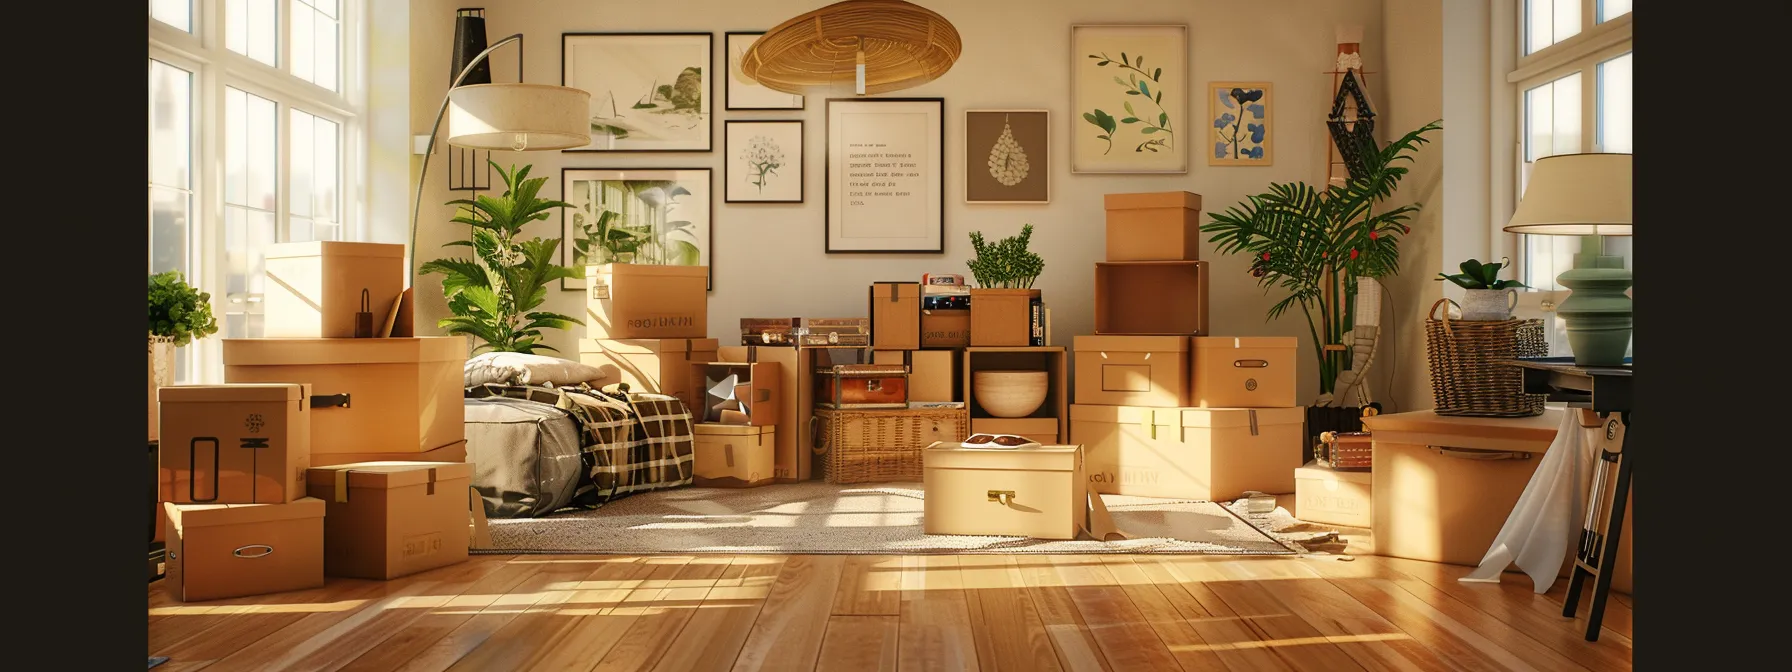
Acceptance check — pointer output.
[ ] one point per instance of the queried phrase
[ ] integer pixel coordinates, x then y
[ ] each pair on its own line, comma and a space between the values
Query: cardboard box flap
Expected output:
1162, 199
758, 396
334, 248
1237, 342
1319, 472
1236, 417
321, 351
183, 516
1426, 427
891, 290
647, 271
233, 392
1126, 415
648, 346
718, 429
944, 455
1084, 343
388, 475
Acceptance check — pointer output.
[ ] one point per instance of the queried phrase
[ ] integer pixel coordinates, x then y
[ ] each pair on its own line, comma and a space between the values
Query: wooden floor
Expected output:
854, 613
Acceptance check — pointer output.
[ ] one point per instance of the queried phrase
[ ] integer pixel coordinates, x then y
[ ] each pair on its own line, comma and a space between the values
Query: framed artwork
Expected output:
764, 162
657, 216
1129, 90
650, 92
1006, 156
1241, 132
746, 94
886, 187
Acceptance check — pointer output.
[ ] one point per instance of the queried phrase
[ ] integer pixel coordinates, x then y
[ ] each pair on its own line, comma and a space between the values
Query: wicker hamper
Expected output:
872, 446
1468, 377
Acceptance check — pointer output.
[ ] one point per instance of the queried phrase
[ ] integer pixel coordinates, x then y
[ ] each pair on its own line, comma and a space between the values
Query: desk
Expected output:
1607, 392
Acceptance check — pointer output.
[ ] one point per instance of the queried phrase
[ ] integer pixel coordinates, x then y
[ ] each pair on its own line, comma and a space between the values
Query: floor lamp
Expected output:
1585, 195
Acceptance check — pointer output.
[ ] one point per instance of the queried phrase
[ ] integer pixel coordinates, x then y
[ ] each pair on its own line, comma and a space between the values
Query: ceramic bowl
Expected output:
1010, 394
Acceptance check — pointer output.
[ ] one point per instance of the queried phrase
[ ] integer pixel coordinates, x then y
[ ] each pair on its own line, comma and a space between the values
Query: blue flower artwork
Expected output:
1240, 132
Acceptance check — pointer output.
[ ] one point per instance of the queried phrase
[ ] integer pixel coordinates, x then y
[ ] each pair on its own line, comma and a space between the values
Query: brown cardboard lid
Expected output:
1319, 472
1161, 199
1239, 417
1537, 428
335, 249
183, 516
319, 351
903, 289
1110, 414
718, 429
951, 455
232, 392
648, 346
637, 270
1289, 342
387, 475
1086, 343
1003, 291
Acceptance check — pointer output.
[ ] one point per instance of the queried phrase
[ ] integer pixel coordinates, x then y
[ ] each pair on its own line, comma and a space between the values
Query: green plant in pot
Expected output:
178, 315
496, 296
1487, 298
1001, 303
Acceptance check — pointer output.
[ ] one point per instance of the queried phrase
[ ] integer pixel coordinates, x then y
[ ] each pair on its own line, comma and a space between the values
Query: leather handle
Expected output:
1479, 454
253, 551
1250, 363
330, 400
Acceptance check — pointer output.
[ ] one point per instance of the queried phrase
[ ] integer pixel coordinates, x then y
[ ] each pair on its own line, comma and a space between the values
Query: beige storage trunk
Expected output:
793, 459
1163, 226
658, 365
1041, 430
234, 444
1132, 370
1024, 492
1330, 497
391, 519
1213, 454
404, 395
314, 288
640, 301
732, 456
234, 550
1242, 372
896, 315
932, 374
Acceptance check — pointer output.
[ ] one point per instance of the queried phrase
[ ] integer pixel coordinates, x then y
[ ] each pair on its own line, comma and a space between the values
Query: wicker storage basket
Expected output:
1467, 376
1347, 451
870, 446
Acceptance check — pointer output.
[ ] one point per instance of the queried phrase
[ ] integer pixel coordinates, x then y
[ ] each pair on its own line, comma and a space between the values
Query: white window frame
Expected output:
202, 52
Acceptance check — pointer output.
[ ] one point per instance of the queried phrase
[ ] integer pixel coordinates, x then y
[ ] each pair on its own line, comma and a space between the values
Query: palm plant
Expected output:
494, 296
1315, 243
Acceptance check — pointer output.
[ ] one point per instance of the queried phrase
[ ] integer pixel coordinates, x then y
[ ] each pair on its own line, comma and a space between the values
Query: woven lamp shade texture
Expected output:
905, 45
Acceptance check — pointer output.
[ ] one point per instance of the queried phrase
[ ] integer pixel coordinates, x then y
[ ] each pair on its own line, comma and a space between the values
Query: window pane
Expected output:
1615, 105
247, 233
170, 216
170, 125
302, 42
1549, 21
250, 29
314, 173
263, 146
1611, 9
299, 170
177, 13
1552, 118
328, 166
315, 47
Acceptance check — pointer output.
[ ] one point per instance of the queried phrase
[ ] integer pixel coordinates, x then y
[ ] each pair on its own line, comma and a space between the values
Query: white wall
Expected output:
1415, 96
769, 259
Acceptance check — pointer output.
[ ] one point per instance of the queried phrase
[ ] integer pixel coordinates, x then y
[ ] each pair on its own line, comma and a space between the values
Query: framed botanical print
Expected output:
746, 94
885, 184
657, 216
1129, 91
649, 91
1006, 157
764, 162
1240, 132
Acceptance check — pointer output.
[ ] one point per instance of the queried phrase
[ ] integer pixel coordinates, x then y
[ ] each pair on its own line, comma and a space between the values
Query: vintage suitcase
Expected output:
778, 331
862, 386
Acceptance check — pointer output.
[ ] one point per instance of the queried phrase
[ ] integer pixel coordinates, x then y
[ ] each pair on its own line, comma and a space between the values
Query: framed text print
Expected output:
886, 186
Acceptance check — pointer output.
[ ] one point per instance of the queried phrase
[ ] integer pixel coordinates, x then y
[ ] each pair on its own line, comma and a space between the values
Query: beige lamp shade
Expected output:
900, 45
1576, 195
518, 117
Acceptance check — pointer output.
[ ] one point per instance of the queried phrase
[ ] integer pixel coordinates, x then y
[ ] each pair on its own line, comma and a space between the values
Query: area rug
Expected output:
883, 518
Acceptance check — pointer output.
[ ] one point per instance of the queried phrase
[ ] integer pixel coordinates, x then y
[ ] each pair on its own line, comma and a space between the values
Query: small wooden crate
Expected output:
1347, 451
873, 446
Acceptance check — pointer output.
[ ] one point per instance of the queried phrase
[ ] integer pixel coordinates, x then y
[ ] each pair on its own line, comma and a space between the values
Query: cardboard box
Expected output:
385, 520
947, 328
1151, 297
658, 365
1050, 358
234, 550
641, 301
896, 315
932, 374
453, 452
1163, 226
1041, 430
1213, 454
793, 459
1025, 492
1243, 372
314, 289
732, 456
1329, 497
234, 444
755, 398
369, 395
1002, 317
1132, 370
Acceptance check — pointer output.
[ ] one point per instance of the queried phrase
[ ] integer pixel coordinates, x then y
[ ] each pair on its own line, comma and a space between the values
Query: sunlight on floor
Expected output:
1296, 641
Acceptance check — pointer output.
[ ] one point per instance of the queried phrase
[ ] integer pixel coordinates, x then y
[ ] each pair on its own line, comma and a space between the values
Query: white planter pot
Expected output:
1488, 305
161, 374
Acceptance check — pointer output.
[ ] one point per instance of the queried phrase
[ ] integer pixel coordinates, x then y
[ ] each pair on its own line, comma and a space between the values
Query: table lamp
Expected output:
1585, 195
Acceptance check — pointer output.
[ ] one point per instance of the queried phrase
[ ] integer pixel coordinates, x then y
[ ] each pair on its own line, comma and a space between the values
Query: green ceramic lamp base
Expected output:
1597, 312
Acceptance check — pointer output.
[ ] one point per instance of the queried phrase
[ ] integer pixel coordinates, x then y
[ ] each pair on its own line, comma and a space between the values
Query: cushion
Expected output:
526, 369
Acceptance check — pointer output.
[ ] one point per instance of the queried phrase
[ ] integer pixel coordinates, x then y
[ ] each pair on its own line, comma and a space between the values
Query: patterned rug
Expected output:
815, 517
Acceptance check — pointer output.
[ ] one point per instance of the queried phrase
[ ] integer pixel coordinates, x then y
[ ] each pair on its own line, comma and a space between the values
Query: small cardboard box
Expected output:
1326, 496
658, 365
642, 301
234, 444
732, 456
896, 315
235, 550
1041, 430
1213, 454
932, 374
946, 328
1132, 370
1242, 372
1163, 226
453, 452
794, 460
1002, 317
369, 395
1151, 297
390, 519
1038, 492
314, 289
754, 398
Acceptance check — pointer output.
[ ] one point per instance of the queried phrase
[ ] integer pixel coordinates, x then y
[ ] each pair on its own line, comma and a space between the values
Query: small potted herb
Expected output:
1001, 303
178, 313
1488, 298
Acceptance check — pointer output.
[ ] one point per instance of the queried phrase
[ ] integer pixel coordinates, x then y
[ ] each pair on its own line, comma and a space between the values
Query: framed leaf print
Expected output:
1006, 156
656, 216
1129, 90
649, 91
1241, 131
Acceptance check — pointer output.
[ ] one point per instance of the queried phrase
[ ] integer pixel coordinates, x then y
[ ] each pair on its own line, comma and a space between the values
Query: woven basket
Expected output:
872, 446
1468, 377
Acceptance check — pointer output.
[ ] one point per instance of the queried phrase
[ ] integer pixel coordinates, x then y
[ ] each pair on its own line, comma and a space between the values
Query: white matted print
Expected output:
1129, 92
746, 94
764, 162
649, 91
655, 216
885, 178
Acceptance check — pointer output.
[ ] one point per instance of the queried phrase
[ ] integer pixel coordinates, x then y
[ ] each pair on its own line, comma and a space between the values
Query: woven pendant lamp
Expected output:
877, 45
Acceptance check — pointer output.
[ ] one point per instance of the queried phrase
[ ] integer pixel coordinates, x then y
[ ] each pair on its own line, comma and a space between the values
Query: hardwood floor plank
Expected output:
1232, 640
1176, 634
519, 643
438, 622
1292, 638
551, 582
712, 639
663, 616
1127, 640
1076, 647
935, 631
788, 633
1010, 636
237, 626
859, 644
870, 585
1371, 640
596, 627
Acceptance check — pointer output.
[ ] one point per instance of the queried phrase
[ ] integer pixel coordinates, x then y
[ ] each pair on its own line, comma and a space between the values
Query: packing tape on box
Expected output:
341, 485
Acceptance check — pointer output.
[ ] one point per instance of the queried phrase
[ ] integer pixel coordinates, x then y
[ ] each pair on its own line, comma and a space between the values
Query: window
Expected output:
176, 13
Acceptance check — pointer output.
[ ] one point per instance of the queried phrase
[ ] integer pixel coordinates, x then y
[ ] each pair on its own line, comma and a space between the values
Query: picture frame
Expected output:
1007, 156
1233, 138
763, 161
664, 216
743, 94
881, 197
1130, 118
650, 92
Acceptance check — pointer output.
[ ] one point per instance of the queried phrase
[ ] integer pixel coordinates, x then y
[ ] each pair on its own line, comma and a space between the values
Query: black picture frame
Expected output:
709, 87
802, 158
828, 176
709, 238
728, 76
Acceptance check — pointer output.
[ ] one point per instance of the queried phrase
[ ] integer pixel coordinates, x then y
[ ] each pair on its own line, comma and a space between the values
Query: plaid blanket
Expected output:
629, 442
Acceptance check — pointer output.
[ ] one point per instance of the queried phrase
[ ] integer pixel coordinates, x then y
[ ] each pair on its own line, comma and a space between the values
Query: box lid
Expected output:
1319, 472
183, 516
1162, 199
232, 392
943, 455
334, 248
647, 270
1533, 434
901, 290
1086, 343
1236, 417
1132, 415
648, 346
1288, 342
717, 429
317, 351
388, 475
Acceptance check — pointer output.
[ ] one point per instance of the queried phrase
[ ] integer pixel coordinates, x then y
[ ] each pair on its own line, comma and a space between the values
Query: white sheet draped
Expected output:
1547, 519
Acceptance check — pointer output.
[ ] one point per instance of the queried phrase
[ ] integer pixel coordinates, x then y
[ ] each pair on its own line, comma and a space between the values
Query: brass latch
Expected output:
1006, 497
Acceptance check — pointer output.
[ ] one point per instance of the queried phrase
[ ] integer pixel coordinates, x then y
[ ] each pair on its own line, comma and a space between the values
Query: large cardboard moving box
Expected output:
1150, 297
369, 395
793, 460
1037, 492
732, 456
658, 365
234, 444
315, 289
1132, 370
1242, 372
233, 550
389, 519
1214, 454
896, 315
642, 301
1162, 226
453, 452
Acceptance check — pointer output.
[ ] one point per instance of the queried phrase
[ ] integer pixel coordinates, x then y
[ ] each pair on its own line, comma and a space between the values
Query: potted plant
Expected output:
1488, 298
178, 314
495, 296
1001, 303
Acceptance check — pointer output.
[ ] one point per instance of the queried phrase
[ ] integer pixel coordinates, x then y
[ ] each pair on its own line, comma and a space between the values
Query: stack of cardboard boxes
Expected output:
1163, 407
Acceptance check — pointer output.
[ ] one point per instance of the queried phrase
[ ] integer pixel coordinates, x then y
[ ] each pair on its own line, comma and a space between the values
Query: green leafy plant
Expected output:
177, 311
1476, 275
495, 295
1315, 243
1139, 82
1007, 263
